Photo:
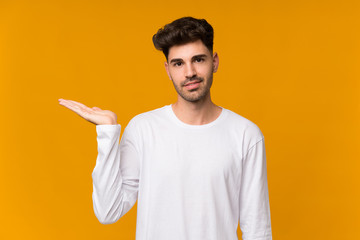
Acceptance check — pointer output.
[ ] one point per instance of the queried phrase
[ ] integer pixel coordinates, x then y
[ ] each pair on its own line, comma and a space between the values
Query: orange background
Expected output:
291, 67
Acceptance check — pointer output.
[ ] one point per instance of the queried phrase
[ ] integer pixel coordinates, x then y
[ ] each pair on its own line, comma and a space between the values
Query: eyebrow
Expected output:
194, 57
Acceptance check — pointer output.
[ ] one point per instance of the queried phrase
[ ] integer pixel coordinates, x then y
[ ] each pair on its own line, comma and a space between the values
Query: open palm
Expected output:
94, 115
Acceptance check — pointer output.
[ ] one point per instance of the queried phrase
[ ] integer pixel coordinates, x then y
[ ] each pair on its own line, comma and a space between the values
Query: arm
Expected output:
255, 220
116, 174
115, 182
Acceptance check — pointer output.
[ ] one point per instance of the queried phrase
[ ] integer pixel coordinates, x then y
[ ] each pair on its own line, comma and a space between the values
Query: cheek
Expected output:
176, 76
206, 71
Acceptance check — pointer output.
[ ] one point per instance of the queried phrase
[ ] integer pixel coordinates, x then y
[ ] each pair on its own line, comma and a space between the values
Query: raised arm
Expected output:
116, 173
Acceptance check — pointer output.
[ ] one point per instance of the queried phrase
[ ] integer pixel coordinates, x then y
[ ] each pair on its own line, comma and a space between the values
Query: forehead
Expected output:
187, 50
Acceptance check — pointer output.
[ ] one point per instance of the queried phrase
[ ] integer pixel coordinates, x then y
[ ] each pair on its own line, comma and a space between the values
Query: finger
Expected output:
74, 107
80, 106
96, 108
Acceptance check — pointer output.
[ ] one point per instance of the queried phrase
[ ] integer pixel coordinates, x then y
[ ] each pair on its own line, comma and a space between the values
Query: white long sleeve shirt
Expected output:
192, 182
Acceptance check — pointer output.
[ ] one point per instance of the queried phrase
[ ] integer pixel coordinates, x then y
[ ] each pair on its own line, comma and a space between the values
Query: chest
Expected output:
196, 157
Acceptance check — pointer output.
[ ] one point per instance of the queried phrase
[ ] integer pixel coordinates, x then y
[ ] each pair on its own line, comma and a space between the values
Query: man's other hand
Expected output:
94, 115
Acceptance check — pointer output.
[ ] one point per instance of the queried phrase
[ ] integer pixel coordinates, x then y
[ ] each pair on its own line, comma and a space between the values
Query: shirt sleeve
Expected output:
254, 208
116, 173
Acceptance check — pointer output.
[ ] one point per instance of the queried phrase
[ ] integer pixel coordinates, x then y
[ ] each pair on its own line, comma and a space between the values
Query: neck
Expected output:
196, 113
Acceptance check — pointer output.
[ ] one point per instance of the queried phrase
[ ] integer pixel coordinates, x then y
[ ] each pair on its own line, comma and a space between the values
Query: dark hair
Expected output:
181, 31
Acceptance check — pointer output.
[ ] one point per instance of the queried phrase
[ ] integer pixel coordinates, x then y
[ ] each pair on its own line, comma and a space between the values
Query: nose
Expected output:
190, 71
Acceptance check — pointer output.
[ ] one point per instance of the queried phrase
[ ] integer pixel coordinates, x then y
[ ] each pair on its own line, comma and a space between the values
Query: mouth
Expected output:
192, 85
193, 82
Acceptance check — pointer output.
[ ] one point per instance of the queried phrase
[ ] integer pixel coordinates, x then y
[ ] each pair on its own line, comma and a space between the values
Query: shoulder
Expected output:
249, 130
148, 116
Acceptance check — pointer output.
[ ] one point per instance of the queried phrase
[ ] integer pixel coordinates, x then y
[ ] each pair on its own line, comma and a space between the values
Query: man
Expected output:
195, 168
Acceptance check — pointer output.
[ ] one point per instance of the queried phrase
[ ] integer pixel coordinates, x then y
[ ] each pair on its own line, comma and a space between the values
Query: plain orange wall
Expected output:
291, 67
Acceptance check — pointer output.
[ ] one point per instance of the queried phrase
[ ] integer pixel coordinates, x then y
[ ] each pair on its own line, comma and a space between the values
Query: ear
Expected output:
167, 70
215, 62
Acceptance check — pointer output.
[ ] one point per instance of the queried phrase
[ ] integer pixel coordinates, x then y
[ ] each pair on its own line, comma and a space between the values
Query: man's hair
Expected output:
182, 31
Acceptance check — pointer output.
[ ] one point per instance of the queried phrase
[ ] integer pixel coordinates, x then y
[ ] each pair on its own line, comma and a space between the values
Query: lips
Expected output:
192, 82
193, 85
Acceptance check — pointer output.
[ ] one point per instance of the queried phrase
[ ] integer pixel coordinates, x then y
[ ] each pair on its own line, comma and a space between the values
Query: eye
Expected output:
177, 64
199, 60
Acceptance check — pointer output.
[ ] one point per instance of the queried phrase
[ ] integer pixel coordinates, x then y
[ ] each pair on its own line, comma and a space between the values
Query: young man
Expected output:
196, 168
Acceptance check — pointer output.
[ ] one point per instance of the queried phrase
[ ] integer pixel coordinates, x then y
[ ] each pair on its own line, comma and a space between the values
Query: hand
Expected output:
94, 115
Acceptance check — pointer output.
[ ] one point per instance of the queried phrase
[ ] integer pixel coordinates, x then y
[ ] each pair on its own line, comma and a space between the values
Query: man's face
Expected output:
190, 67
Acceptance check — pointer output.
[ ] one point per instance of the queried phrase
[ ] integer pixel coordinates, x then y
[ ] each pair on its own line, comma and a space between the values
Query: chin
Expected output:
196, 98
